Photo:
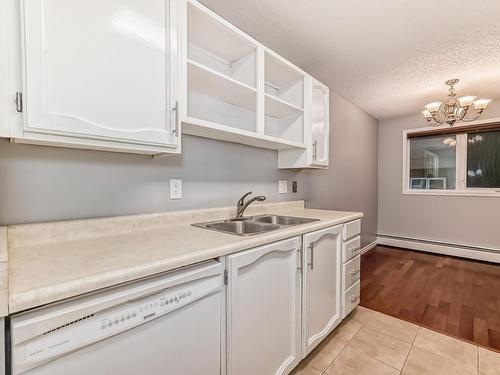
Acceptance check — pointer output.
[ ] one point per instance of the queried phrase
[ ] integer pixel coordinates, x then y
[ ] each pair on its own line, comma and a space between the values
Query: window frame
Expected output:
461, 188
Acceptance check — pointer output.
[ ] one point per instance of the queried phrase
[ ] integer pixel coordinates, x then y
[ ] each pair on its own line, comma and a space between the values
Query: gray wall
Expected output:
470, 221
46, 183
351, 181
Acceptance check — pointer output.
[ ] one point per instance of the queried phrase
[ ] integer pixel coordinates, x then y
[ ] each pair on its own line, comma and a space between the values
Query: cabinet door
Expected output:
264, 309
322, 285
320, 124
101, 69
5, 106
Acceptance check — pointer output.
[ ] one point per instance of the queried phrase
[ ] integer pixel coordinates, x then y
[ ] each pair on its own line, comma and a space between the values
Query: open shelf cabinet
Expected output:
236, 89
284, 99
221, 73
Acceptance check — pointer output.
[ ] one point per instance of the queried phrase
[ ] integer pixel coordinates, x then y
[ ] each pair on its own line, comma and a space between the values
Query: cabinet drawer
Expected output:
352, 229
351, 299
351, 248
352, 270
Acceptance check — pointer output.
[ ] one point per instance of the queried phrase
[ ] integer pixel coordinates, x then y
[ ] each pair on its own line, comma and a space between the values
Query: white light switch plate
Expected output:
175, 188
283, 186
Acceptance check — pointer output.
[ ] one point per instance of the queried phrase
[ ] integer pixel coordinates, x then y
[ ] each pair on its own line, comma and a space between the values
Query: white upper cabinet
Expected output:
236, 89
5, 104
317, 130
122, 75
101, 74
219, 94
322, 285
263, 312
284, 101
320, 124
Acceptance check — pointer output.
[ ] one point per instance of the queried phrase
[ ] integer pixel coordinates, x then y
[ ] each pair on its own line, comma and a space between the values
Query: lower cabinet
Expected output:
264, 307
322, 285
283, 299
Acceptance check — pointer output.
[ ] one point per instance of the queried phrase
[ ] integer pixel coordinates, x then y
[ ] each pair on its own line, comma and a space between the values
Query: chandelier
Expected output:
465, 108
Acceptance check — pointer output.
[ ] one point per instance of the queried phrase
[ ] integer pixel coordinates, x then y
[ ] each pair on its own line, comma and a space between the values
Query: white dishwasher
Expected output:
168, 324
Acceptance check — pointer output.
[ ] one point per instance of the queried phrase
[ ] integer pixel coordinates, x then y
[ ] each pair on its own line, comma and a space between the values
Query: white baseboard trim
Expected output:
368, 247
476, 253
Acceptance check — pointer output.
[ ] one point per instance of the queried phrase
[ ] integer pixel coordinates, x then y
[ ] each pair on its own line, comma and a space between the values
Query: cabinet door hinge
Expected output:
225, 277
19, 102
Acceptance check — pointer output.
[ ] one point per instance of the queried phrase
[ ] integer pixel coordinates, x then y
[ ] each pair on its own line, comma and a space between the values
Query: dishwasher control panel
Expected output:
111, 322
147, 310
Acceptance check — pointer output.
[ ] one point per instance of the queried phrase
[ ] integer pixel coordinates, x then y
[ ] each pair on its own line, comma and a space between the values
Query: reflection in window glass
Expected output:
433, 162
483, 159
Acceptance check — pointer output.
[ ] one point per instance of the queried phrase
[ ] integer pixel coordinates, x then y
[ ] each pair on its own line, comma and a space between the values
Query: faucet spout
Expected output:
241, 206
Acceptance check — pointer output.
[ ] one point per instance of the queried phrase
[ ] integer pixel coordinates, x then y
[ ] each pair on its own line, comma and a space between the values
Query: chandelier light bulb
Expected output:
426, 113
481, 104
433, 107
466, 101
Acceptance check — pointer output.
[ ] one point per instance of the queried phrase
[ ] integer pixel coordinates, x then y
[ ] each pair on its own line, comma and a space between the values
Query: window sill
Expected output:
454, 193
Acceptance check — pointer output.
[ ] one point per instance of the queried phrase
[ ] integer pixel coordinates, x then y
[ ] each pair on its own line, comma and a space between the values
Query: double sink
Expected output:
254, 225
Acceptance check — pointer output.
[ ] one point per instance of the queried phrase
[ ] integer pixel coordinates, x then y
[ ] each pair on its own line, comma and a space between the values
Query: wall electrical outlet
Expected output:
283, 186
175, 188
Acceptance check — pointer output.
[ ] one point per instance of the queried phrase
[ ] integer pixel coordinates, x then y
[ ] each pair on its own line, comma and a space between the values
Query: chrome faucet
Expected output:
241, 206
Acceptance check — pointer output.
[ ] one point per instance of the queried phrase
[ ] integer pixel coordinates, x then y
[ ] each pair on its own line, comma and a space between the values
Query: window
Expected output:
460, 160
483, 160
433, 163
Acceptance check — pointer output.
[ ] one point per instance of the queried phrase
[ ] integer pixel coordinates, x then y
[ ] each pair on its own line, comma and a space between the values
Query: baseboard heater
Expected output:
438, 247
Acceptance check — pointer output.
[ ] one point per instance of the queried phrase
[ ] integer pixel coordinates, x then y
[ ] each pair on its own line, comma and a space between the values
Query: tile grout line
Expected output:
404, 321
396, 338
409, 351
477, 357
379, 361
347, 344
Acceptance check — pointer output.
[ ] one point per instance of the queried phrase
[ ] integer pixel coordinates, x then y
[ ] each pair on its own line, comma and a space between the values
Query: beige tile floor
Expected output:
371, 343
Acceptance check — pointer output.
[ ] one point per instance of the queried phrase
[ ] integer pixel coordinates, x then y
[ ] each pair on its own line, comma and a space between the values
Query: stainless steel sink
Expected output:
282, 220
254, 225
242, 227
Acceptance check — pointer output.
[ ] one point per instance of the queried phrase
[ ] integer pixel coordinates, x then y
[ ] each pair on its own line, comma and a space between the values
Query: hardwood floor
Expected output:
459, 297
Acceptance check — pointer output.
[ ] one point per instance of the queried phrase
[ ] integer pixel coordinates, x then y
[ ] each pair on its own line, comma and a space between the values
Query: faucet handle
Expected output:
241, 201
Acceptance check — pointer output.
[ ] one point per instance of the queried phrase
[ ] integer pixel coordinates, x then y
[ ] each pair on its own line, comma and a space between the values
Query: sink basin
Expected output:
242, 227
282, 220
254, 225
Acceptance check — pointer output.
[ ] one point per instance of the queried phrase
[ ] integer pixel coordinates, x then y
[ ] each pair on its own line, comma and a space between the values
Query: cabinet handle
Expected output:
315, 149
176, 119
19, 102
311, 262
354, 272
299, 251
354, 299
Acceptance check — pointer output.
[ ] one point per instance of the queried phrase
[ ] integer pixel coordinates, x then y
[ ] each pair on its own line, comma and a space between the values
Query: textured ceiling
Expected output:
389, 57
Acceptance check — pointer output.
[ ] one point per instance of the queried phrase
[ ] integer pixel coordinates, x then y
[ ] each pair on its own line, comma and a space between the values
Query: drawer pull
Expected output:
355, 250
354, 272
354, 299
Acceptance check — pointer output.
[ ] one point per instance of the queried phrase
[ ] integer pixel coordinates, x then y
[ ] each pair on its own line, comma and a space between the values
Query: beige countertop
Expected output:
53, 261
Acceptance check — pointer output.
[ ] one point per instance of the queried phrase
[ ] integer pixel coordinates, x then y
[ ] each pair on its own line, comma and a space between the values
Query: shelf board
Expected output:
210, 82
283, 141
276, 107
203, 128
205, 27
